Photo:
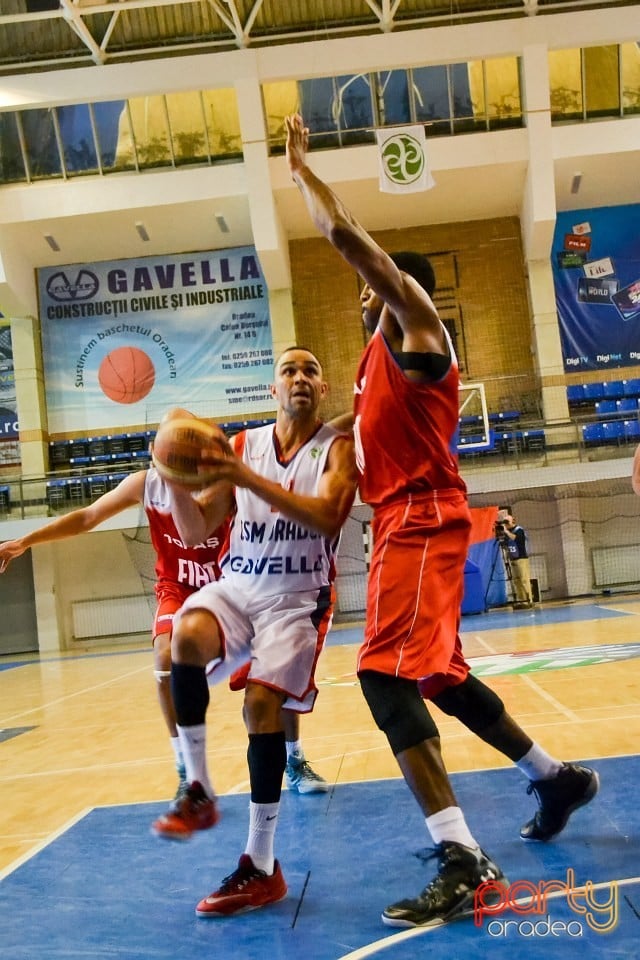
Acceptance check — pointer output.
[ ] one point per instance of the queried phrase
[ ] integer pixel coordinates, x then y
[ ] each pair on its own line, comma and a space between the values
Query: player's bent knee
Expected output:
472, 702
398, 710
195, 635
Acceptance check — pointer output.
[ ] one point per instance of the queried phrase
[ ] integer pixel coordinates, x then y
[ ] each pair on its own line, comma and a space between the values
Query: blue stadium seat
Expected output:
56, 493
5, 499
614, 389
505, 416
604, 408
97, 485
632, 387
533, 440
632, 430
627, 405
594, 392
592, 434
575, 394
113, 479
613, 431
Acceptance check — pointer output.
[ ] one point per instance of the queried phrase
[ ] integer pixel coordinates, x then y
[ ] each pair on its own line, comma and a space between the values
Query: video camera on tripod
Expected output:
500, 524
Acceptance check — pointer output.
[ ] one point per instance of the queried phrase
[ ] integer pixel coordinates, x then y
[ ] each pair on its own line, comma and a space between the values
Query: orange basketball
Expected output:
177, 447
126, 375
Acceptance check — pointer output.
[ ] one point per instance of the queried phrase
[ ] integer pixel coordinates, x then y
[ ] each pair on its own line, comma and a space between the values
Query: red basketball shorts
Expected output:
415, 590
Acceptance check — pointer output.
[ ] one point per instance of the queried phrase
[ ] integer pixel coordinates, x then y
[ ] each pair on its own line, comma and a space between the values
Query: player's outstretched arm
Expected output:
129, 492
410, 304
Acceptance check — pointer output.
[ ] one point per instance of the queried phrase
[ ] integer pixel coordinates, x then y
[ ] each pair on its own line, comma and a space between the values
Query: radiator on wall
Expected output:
616, 565
112, 616
538, 567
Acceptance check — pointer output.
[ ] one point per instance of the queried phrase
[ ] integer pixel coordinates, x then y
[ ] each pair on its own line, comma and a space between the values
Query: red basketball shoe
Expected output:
191, 810
247, 888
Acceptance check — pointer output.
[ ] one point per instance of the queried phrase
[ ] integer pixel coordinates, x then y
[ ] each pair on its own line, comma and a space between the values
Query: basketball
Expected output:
126, 375
176, 449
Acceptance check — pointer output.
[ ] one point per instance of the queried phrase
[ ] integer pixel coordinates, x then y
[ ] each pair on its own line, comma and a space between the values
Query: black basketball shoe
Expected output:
450, 895
570, 789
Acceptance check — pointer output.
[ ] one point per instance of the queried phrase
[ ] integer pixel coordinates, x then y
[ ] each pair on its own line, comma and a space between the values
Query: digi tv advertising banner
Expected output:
124, 340
596, 268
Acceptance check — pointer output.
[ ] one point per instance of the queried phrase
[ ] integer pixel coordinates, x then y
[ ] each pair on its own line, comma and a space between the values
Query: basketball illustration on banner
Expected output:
126, 375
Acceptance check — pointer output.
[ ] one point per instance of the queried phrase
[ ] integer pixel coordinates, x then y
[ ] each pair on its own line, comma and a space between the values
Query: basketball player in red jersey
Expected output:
405, 418
180, 570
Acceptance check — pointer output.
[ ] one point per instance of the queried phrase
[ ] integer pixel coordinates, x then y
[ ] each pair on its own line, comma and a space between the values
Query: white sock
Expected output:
449, 825
177, 751
538, 765
294, 748
263, 819
193, 743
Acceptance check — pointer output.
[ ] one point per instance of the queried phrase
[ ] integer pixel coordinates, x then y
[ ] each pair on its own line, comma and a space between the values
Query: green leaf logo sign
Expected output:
402, 159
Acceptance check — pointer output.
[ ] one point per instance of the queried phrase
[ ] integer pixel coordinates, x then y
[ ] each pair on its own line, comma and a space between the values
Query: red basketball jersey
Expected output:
404, 431
188, 567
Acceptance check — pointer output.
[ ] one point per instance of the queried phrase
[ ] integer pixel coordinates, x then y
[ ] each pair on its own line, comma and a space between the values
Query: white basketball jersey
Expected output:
269, 554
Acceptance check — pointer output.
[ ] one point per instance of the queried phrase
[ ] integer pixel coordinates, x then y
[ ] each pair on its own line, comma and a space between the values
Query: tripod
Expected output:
500, 550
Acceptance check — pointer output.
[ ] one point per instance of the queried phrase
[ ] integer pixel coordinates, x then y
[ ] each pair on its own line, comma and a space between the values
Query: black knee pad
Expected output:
190, 693
472, 702
267, 757
398, 710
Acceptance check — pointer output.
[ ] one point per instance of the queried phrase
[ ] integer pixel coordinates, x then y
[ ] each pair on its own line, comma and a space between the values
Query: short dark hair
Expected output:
296, 347
418, 267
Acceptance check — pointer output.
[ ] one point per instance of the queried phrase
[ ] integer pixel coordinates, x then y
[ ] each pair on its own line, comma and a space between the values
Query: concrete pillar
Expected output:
538, 218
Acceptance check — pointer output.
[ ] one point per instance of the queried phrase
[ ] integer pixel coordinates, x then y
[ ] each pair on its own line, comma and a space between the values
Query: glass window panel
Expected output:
477, 73
43, 155
459, 78
113, 134
77, 139
504, 106
150, 131
430, 90
392, 97
316, 101
601, 81
11, 162
280, 99
630, 69
223, 124
186, 120
565, 80
353, 102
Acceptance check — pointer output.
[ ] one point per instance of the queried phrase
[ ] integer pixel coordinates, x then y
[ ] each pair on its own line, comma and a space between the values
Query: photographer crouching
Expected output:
514, 538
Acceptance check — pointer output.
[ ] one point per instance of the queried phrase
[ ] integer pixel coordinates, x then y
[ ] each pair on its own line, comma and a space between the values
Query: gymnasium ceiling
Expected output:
42, 36
59, 34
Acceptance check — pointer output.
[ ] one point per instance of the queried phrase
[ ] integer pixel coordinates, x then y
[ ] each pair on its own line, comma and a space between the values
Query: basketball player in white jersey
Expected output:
180, 571
294, 485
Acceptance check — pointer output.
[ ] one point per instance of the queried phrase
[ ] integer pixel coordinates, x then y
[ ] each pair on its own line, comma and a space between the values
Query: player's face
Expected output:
371, 305
299, 386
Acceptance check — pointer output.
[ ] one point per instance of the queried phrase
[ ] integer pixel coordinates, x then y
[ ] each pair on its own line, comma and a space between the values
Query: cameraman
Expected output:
515, 540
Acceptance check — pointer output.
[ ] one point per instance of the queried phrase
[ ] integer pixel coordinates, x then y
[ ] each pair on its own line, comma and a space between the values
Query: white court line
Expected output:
78, 693
44, 843
560, 707
370, 949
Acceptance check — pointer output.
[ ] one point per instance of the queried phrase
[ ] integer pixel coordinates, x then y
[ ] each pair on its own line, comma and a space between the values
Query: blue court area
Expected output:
508, 619
106, 887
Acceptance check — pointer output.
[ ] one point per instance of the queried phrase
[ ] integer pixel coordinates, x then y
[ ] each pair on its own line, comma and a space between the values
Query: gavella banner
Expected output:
124, 340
